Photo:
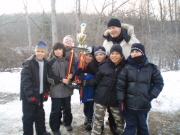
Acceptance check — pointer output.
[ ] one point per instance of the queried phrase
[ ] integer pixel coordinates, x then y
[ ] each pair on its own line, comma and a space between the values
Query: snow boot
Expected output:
57, 133
88, 126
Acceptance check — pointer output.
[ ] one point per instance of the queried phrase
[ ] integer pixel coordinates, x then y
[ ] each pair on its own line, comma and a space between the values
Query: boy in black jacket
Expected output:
138, 83
34, 90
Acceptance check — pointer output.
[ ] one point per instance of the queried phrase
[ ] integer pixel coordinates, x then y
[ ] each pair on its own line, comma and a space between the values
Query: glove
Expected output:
81, 76
32, 100
122, 110
79, 71
46, 95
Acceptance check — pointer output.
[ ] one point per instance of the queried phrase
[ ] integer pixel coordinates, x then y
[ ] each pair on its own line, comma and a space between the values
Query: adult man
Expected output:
118, 33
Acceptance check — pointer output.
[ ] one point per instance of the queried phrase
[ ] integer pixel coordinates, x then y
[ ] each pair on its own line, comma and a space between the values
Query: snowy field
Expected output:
11, 112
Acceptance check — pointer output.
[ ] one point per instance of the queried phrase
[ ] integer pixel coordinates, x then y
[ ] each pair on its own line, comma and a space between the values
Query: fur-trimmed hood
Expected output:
128, 27
125, 44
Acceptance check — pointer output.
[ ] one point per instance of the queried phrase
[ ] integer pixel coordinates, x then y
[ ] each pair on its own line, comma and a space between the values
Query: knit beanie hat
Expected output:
90, 50
41, 46
59, 45
100, 49
114, 22
139, 47
117, 48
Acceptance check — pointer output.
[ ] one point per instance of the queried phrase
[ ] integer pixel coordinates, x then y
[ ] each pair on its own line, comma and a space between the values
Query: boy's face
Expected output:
58, 52
114, 31
100, 56
115, 57
88, 58
68, 41
40, 55
135, 53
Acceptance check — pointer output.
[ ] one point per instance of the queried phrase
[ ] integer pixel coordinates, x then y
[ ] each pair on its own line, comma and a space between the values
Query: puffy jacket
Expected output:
30, 78
57, 68
134, 86
105, 79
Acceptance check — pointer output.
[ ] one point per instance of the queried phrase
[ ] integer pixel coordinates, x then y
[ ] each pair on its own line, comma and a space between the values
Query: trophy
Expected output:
81, 36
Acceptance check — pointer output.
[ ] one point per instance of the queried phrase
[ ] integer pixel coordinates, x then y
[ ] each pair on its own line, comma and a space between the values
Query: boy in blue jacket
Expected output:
138, 83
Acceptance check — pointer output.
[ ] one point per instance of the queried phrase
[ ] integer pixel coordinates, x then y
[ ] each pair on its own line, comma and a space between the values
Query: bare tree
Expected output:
54, 22
28, 24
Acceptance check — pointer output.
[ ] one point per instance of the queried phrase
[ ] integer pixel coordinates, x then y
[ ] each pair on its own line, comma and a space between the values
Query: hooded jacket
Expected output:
126, 43
135, 85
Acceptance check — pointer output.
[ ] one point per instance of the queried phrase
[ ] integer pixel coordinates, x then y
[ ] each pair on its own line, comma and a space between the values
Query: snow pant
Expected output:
98, 118
136, 122
112, 123
88, 110
56, 113
33, 113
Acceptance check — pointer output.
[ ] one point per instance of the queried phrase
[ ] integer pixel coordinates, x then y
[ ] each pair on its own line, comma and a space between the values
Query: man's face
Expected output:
114, 31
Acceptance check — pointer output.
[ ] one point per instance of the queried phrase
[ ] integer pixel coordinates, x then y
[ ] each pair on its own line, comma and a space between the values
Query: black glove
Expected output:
122, 110
81, 76
79, 71
32, 100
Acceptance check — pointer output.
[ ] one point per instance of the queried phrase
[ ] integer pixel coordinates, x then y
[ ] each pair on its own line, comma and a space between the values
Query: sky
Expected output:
17, 6
11, 112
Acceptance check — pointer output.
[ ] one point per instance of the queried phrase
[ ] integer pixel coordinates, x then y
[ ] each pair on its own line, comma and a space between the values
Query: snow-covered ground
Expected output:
11, 112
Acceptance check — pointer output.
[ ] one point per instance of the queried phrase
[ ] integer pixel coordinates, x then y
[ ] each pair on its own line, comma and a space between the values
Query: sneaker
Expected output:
88, 126
57, 133
69, 128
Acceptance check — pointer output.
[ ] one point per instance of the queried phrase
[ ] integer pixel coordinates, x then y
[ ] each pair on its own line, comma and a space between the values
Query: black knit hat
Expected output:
117, 48
139, 47
100, 49
90, 50
114, 22
59, 45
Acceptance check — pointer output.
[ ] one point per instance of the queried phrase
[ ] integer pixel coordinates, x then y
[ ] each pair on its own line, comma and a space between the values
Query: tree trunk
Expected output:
54, 22
28, 24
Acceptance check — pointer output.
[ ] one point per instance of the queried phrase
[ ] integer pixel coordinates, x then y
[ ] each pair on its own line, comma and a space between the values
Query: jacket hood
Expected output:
128, 27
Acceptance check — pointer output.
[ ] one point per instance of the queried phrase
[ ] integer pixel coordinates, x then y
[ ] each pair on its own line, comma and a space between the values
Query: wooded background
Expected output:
157, 27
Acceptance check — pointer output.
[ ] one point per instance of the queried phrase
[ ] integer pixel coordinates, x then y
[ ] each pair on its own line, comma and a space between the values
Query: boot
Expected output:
88, 126
57, 133
69, 128
86, 120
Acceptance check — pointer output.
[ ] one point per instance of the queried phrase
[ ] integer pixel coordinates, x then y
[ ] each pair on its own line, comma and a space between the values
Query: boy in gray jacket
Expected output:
59, 92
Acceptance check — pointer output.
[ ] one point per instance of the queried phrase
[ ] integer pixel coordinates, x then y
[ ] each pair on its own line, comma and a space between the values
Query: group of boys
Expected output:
35, 86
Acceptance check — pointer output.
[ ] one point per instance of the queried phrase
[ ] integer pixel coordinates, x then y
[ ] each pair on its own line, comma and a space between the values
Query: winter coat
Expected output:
105, 79
57, 68
125, 44
30, 85
135, 85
